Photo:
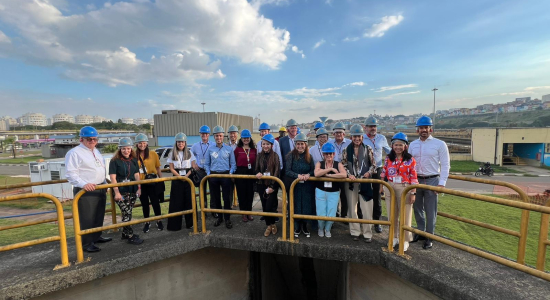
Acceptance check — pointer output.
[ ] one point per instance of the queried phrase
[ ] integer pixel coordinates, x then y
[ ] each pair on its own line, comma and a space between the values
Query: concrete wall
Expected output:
529, 153
483, 144
210, 273
458, 156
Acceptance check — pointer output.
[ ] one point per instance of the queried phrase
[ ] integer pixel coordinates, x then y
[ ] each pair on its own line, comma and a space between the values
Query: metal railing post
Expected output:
543, 240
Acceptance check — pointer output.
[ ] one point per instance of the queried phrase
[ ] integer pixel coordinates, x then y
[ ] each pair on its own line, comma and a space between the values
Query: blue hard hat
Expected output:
328, 148
140, 137
356, 130
246, 133
269, 138
181, 137
88, 131
264, 126
299, 130
218, 129
204, 129
424, 121
319, 125
125, 142
321, 131
371, 121
401, 137
233, 128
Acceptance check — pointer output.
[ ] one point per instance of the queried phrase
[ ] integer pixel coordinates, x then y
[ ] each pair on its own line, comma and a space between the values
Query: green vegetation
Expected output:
534, 118
103, 125
111, 148
21, 160
472, 166
22, 234
4, 180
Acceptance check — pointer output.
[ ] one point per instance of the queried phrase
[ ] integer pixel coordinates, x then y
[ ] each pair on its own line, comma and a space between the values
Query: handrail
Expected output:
205, 210
525, 206
76, 217
524, 225
349, 220
543, 240
62, 237
30, 184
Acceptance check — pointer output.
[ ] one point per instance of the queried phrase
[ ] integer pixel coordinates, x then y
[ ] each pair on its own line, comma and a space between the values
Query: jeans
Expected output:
326, 204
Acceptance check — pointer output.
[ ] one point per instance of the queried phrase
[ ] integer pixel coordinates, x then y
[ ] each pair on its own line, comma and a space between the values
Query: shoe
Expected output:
214, 215
321, 232
160, 226
228, 224
125, 237
296, 232
368, 240
92, 248
104, 240
245, 218
262, 218
378, 228
395, 242
267, 231
146, 227
327, 233
355, 238
427, 244
406, 246
274, 229
277, 220
305, 231
218, 222
135, 240
417, 238
189, 227
250, 218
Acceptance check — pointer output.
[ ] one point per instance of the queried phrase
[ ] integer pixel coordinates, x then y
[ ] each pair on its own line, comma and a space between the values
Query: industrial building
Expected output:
171, 122
519, 146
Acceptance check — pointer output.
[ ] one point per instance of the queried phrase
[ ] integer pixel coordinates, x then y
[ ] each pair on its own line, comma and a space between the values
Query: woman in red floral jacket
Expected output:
399, 171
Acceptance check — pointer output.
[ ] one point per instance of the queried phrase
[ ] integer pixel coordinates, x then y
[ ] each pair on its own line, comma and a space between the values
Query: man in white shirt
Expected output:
85, 170
340, 142
432, 167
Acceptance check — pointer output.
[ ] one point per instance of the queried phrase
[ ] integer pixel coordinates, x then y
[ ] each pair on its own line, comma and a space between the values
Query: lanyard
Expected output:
247, 155
180, 158
97, 160
399, 168
204, 151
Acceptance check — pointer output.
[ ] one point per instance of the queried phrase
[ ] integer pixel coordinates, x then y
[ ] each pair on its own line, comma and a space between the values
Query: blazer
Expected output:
284, 143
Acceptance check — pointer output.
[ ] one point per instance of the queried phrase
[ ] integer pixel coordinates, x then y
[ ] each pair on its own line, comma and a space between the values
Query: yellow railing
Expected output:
519, 265
78, 232
205, 210
30, 184
349, 220
62, 237
543, 240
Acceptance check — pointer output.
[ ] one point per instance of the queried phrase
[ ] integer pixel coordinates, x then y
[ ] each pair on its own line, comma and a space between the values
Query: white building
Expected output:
99, 119
34, 119
256, 123
140, 121
84, 119
4, 124
545, 98
151, 121
127, 120
63, 118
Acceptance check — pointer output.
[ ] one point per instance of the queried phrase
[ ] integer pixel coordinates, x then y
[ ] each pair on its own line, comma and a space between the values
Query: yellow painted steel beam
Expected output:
30, 184
390, 217
32, 223
543, 240
30, 243
204, 210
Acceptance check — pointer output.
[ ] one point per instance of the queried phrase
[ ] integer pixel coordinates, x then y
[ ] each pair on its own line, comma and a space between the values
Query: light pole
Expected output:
203, 103
434, 89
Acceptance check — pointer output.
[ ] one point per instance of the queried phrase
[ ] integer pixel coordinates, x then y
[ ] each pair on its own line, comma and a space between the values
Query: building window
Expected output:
547, 148
55, 175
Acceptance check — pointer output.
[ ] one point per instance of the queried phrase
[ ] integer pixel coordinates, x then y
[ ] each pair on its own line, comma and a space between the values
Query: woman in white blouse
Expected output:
181, 160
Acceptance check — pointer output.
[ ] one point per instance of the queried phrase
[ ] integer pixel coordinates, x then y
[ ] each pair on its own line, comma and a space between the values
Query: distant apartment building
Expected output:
127, 120
256, 123
151, 121
99, 119
4, 124
545, 98
63, 118
84, 119
523, 99
140, 121
33, 119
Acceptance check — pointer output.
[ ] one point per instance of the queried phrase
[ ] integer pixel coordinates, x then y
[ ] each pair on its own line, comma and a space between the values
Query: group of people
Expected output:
288, 157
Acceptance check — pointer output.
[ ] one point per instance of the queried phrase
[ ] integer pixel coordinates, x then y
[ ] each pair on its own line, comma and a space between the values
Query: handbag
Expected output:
197, 176
147, 176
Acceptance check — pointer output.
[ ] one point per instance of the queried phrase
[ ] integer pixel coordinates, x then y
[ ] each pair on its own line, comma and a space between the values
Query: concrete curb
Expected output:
501, 174
14, 165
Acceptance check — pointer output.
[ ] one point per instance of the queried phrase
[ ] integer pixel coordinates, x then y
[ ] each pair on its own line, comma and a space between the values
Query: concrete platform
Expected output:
444, 271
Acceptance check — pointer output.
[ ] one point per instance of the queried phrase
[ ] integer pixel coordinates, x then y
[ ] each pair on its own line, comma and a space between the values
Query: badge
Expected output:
202, 161
141, 170
214, 154
98, 163
249, 166
183, 172
397, 179
125, 180
328, 184
267, 174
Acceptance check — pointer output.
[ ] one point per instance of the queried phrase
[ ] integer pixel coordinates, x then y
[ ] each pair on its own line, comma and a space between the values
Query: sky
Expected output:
279, 59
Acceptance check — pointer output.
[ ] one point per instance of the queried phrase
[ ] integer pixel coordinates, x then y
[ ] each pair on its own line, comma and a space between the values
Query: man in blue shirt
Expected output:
378, 143
199, 151
220, 159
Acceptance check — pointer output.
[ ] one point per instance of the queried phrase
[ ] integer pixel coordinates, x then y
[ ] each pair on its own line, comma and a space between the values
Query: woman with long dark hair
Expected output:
149, 167
267, 164
399, 171
181, 161
299, 164
124, 168
245, 156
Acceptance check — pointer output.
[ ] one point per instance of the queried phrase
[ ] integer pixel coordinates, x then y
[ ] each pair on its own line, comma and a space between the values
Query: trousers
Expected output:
126, 206
326, 205
398, 188
425, 206
91, 208
357, 229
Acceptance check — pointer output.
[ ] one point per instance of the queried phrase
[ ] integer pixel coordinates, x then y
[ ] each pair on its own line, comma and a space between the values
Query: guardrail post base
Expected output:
87, 259
194, 233
59, 267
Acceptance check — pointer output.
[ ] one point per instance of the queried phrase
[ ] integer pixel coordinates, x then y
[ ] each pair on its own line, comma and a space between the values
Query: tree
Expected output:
11, 141
111, 148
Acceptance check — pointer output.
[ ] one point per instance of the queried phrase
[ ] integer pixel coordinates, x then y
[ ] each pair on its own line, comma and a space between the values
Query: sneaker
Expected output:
250, 218
245, 218
277, 220
395, 242
368, 240
321, 232
125, 237
228, 224
355, 238
262, 218
327, 233
135, 240
160, 226
297, 233
306, 232
146, 227
406, 246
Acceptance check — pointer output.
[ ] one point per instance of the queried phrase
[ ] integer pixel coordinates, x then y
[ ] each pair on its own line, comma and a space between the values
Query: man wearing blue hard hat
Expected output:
432, 167
85, 170
265, 129
378, 143
199, 150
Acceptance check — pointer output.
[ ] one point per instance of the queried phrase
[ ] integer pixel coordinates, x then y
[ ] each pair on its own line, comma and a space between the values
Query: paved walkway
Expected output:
530, 170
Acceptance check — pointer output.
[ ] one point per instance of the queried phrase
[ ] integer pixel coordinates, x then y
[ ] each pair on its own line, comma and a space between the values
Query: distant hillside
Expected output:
536, 118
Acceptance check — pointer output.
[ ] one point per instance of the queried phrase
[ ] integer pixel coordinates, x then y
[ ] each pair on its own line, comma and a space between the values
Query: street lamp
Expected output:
434, 89
203, 103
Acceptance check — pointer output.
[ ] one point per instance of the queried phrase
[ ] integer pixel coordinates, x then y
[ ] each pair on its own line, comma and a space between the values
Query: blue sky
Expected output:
280, 59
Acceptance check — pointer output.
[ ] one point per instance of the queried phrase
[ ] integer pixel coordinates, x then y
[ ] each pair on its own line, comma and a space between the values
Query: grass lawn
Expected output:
20, 160
5, 180
472, 166
29, 233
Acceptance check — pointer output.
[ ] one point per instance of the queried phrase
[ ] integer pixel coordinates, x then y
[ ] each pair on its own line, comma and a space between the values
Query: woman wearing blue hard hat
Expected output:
399, 171
181, 161
267, 164
245, 156
124, 168
327, 194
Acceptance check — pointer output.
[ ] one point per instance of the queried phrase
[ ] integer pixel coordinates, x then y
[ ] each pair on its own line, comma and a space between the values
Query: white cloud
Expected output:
532, 88
395, 87
4, 38
379, 29
318, 44
296, 50
234, 29
351, 39
358, 83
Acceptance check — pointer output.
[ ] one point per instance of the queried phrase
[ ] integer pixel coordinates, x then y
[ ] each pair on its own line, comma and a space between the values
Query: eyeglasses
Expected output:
91, 139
